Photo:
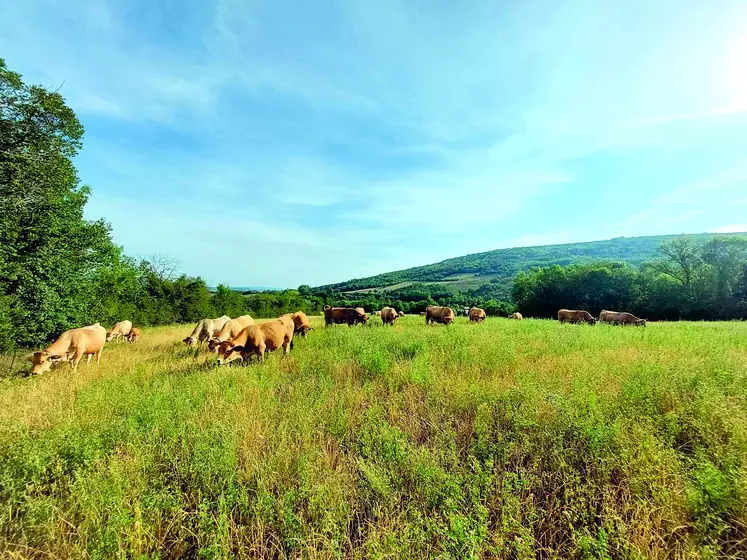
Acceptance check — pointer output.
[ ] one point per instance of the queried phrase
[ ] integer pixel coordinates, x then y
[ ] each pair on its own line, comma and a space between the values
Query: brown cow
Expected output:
301, 321
231, 328
256, 339
518, 316
437, 314
205, 330
71, 346
477, 315
121, 329
363, 312
575, 316
620, 318
346, 315
388, 315
133, 335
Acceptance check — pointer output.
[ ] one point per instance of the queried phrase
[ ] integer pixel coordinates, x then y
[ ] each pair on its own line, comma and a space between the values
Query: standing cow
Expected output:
255, 340
388, 315
71, 346
437, 314
620, 318
230, 328
121, 329
205, 330
575, 316
344, 315
301, 321
477, 315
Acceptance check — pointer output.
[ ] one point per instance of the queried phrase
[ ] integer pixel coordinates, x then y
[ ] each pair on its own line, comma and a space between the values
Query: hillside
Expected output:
498, 267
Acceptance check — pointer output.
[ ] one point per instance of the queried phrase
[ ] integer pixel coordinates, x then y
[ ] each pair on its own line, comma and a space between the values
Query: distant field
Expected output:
501, 440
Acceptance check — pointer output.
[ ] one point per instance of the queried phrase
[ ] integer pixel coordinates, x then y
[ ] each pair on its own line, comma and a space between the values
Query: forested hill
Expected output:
501, 265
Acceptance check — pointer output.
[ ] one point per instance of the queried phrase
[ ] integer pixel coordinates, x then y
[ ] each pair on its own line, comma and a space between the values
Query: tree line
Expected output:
59, 270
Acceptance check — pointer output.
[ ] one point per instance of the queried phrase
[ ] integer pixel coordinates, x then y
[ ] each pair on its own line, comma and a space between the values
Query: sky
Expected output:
278, 143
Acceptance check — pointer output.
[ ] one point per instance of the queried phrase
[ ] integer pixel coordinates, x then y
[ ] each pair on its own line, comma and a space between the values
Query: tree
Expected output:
48, 251
684, 259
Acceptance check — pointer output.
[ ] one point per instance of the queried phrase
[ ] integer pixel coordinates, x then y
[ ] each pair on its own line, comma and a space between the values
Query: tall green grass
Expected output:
507, 439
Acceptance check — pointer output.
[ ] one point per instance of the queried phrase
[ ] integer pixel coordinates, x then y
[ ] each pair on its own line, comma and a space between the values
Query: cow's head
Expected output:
213, 344
109, 336
228, 352
304, 329
190, 341
448, 318
592, 320
641, 322
42, 361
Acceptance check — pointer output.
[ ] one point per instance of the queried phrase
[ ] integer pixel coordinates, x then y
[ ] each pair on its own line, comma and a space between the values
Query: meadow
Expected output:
501, 440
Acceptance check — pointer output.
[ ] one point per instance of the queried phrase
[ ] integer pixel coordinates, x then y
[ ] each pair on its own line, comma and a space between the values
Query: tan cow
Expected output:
477, 315
362, 312
437, 314
518, 316
121, 329
401, 313
256, 339
133, 335
205, 330
575, 316
301, 321
346, 315
71, 346
230, 328
620, 318
388, 315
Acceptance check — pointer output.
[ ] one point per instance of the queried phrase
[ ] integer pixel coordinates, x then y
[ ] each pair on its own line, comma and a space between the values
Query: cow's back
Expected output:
91, 339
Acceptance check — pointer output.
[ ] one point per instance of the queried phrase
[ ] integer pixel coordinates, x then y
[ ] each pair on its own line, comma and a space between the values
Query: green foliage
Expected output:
48, 252
692, 281
499, 267
501, 440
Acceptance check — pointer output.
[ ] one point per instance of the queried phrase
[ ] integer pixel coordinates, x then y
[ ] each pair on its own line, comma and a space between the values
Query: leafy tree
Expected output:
48, 251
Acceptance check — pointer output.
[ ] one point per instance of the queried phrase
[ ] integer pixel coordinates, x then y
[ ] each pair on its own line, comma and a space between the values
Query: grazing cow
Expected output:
518, 316
256, 339
363, 312
620, 318
205, 330
121, 329
346, 315
422, 313
231, 328
377, 313
575, 316
477, 315
133, 335
401, 313
71, 347
388, 315
437, 314
301, 321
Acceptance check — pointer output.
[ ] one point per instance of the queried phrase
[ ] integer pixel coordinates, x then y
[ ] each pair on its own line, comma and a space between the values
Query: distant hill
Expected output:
497, 268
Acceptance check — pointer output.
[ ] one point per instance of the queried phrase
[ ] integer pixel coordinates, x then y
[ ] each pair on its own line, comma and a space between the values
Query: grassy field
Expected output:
502, 440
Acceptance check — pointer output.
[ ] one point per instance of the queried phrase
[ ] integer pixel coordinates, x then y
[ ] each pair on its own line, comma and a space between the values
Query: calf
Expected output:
205, 330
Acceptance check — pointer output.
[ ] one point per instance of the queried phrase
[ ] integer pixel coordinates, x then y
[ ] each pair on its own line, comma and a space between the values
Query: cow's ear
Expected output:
237, 349
55, 357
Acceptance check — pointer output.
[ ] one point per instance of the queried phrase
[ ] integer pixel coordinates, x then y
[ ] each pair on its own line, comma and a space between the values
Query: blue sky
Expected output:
277, 143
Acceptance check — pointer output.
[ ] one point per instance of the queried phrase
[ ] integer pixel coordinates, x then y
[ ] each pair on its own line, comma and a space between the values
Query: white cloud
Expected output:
731, 228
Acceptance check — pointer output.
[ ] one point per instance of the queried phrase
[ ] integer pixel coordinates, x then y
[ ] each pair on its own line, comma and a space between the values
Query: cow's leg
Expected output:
261, 353
286, 345
98, 355
89, 359
78, 356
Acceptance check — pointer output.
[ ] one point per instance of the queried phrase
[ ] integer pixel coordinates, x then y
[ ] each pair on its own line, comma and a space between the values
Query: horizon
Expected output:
348, 141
